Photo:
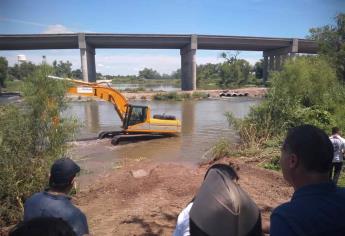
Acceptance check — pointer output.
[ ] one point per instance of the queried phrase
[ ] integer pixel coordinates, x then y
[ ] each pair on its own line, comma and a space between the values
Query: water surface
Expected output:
203, 123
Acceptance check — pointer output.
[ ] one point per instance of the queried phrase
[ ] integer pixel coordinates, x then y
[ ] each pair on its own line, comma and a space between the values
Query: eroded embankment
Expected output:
148, 204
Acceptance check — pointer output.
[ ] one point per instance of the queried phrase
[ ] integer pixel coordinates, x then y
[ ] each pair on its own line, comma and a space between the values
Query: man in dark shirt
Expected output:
317, 206
55, 201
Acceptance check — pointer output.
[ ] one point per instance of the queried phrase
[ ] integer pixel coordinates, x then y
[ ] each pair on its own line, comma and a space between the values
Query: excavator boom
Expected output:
105, 93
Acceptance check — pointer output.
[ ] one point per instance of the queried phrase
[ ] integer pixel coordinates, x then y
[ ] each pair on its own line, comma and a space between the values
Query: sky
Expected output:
268, 18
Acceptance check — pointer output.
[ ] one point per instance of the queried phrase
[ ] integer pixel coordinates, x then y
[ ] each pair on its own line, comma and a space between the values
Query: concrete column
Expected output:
271, 66
265, 69
277, 62
284, 57
188, 65
87, 57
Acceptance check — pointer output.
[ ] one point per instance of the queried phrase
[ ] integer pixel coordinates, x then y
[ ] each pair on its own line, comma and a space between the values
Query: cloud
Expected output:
56, 29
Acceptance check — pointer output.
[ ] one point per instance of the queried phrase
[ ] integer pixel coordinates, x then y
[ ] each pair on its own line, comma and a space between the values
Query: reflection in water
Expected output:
188, 110
92, 116
203, 123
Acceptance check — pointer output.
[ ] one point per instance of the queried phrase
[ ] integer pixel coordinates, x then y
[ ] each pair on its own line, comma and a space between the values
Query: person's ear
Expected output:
293, 161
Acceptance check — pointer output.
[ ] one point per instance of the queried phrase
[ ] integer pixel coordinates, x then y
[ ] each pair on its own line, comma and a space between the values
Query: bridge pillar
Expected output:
277, 62
188, 65
87, 57
271, 66
265, 69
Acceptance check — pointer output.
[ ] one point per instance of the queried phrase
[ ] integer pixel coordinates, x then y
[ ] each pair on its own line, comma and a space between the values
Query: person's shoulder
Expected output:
34, 197
282, 208
341, 191
73, 210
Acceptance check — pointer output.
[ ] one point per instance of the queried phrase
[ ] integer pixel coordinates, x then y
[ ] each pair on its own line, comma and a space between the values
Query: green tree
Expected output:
62, 69
207, 72
258, 69
77, 74
32, 136
99, 76
14, 72
306, 91
331, 40
234, 71
3, 71
22, 70
176, 74
147, 73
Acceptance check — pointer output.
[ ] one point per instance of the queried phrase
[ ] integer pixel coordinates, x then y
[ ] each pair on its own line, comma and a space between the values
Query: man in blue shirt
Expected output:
317, 206
55, 202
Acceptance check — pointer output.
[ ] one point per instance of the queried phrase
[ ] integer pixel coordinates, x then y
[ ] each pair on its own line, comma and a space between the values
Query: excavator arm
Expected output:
105, 93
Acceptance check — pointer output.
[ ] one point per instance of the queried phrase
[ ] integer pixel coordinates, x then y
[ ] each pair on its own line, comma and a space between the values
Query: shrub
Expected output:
219, 150
306, 91
32, 136
174, 96
199, 95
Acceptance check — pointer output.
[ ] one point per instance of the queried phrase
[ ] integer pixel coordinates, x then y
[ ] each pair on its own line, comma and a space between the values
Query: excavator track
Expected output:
120, 136
134, 138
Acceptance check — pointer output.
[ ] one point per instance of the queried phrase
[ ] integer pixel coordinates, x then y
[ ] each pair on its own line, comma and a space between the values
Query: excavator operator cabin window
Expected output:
137, 115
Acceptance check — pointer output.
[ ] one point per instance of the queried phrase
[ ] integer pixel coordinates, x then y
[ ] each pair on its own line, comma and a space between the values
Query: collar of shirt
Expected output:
57, 196
314, 189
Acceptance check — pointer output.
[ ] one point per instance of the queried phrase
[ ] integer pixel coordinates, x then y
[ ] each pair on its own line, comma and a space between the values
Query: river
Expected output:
203, 124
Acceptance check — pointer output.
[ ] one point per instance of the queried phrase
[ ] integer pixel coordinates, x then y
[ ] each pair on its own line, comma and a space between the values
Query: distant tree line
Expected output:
231, 72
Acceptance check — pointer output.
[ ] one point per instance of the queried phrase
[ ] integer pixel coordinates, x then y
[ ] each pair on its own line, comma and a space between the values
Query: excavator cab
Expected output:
134, 115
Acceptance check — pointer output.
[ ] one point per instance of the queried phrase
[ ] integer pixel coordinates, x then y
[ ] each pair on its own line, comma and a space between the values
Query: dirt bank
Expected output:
120, 204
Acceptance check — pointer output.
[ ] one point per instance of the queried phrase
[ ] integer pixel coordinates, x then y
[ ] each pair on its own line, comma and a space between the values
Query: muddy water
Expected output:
203, 123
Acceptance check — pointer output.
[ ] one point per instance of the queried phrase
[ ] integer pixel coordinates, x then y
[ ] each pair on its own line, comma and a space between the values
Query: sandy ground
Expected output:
120, 204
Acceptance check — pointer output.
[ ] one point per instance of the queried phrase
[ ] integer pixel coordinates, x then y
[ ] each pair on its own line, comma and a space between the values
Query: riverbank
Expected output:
254, 92
143, 197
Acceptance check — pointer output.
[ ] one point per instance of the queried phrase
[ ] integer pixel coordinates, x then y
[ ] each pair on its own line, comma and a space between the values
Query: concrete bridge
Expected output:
275, 50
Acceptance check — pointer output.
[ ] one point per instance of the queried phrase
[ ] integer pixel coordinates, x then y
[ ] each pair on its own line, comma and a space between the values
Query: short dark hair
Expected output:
335, 130
43, 226
60, 187
226, 169
312, 146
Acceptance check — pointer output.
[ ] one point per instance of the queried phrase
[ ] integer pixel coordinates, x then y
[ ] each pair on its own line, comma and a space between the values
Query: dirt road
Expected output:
121, 204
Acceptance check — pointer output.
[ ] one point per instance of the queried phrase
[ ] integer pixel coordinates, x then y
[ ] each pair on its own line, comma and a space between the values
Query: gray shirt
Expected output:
338, 147
58, 206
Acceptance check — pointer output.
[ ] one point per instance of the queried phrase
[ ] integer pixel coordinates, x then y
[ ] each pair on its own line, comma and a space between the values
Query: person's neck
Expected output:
55, 192
310, 179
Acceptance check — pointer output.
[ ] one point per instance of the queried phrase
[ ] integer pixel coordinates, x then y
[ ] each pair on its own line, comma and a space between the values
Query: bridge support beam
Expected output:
274, 59
265, 70
188, 65
277, 62
87, 57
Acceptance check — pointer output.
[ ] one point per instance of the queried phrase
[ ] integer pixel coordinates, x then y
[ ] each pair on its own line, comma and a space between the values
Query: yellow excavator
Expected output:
137, 123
